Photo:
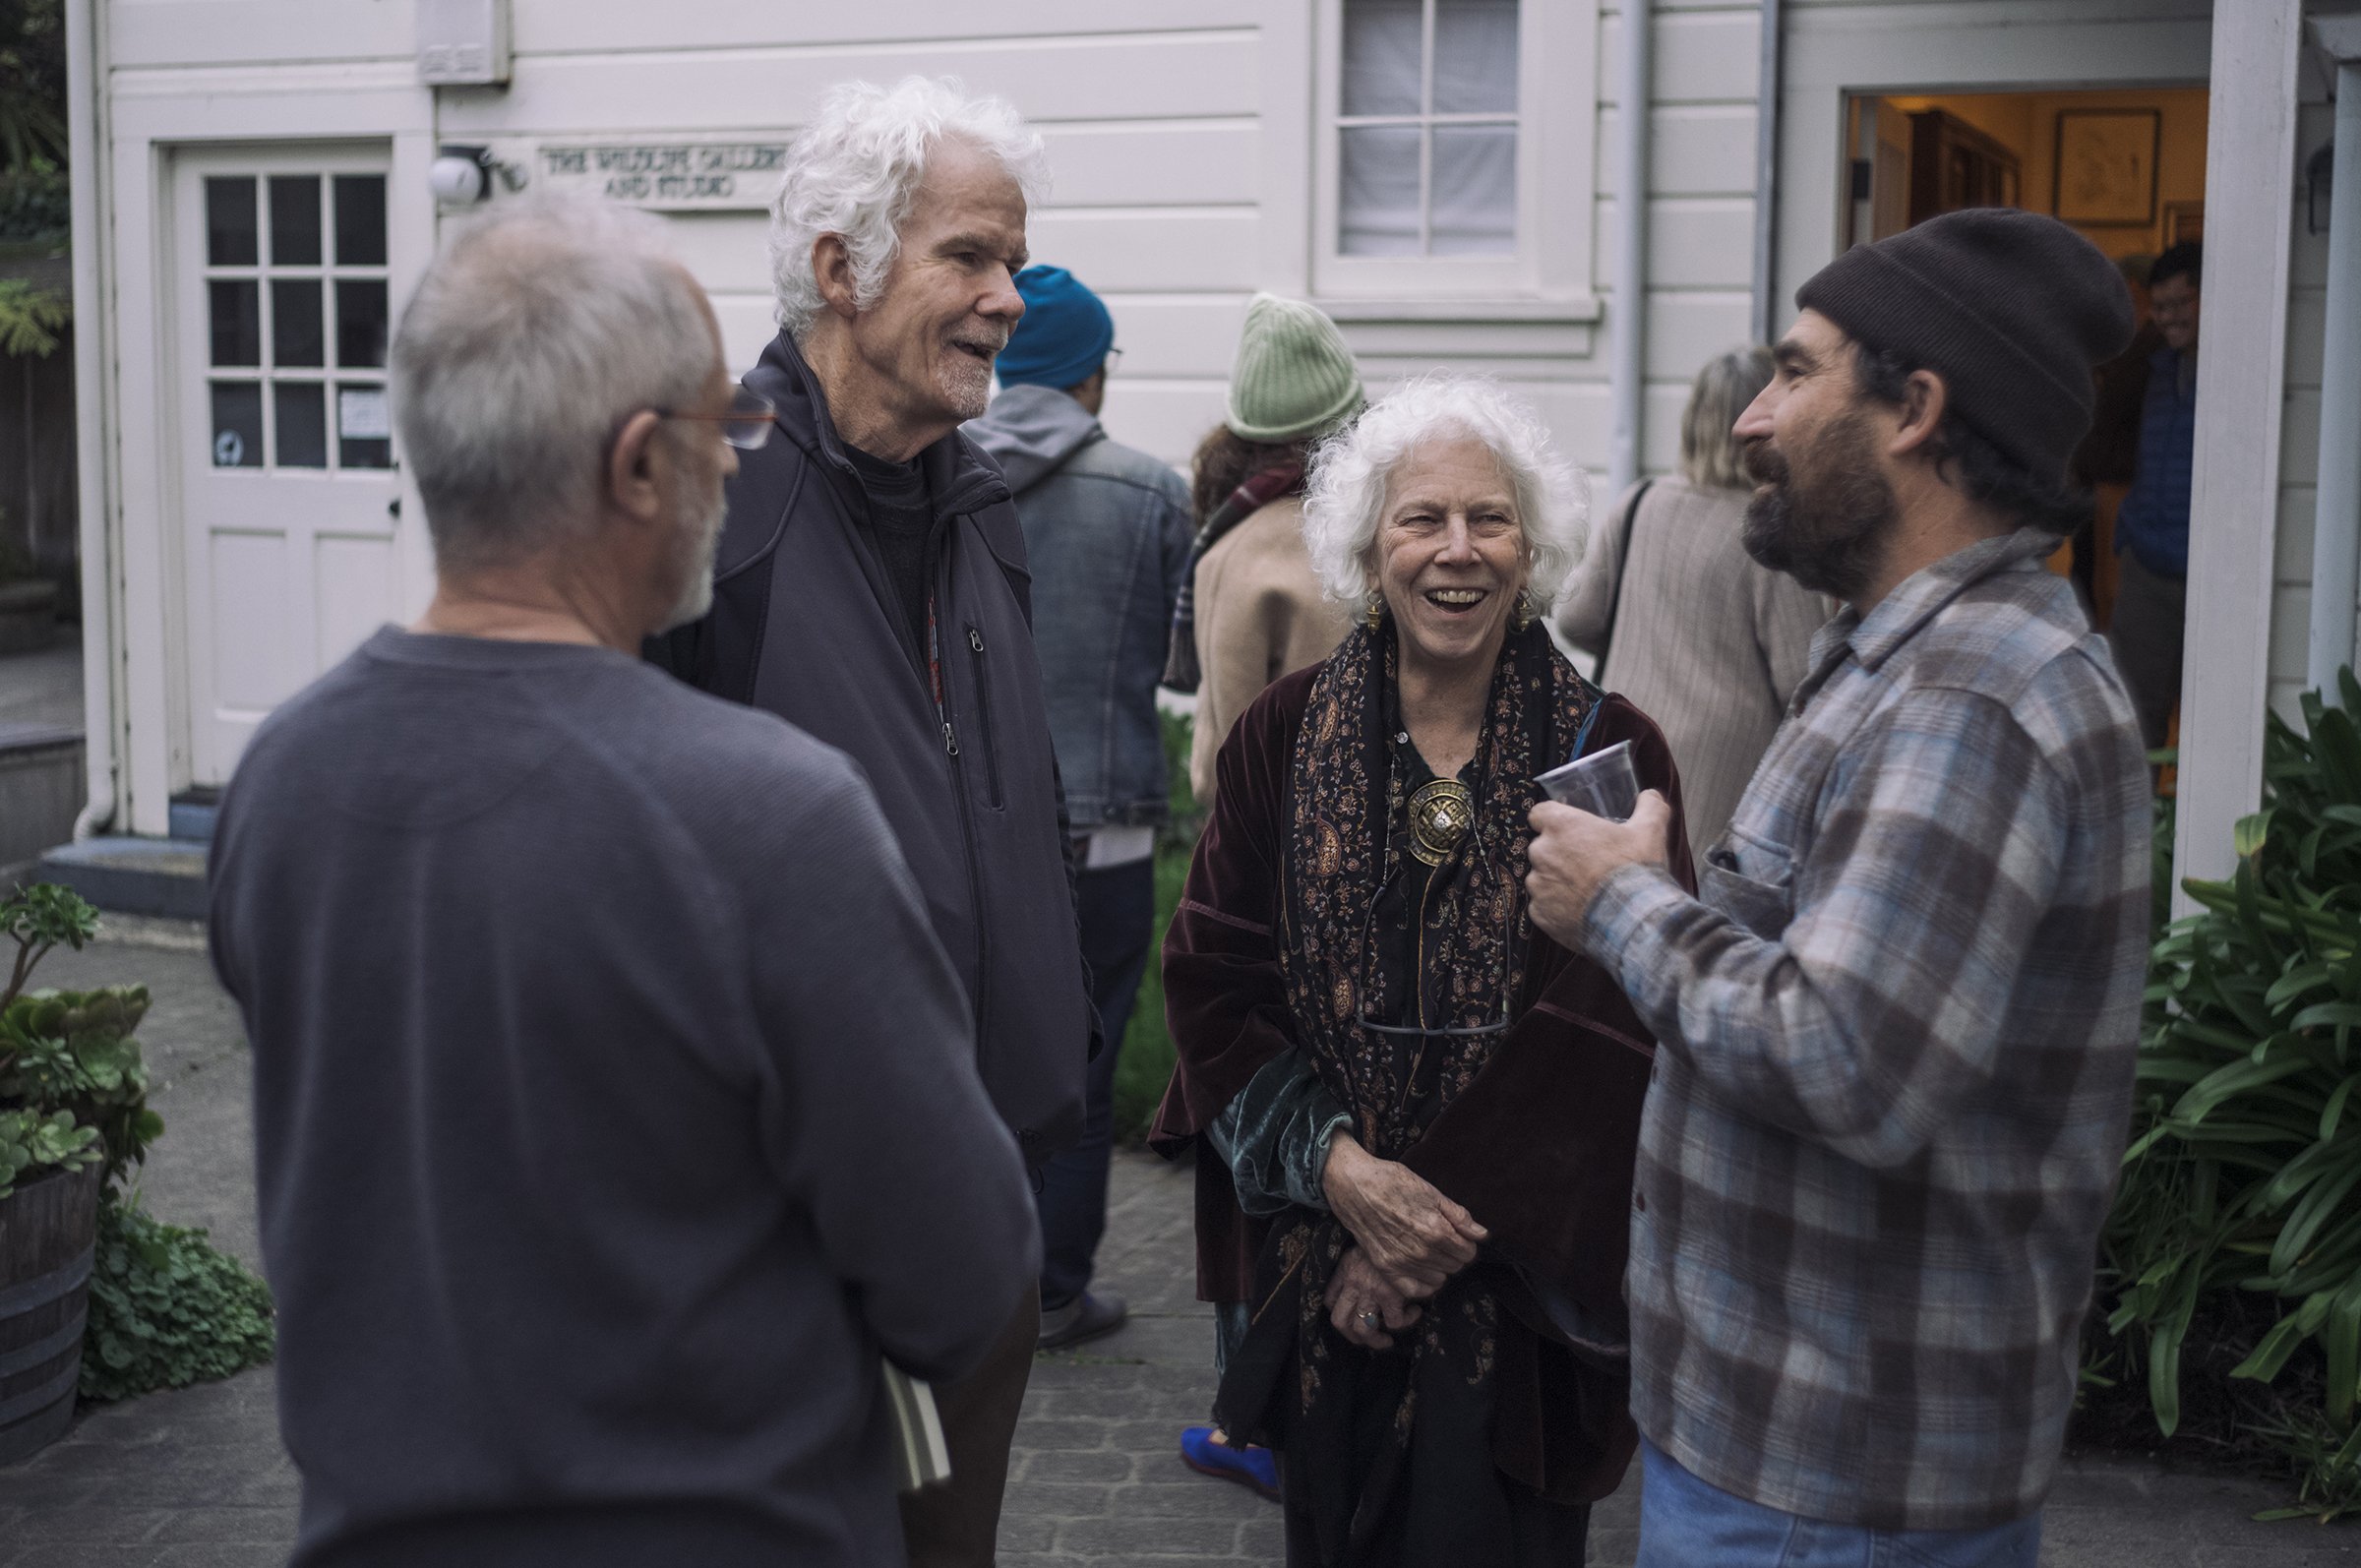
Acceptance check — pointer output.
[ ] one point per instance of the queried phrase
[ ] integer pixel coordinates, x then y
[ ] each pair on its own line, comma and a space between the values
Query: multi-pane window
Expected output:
1426, 128
297, 313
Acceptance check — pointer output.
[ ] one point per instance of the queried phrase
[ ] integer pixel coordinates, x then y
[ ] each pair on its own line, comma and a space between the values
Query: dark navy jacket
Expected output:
806, 624
2153, 523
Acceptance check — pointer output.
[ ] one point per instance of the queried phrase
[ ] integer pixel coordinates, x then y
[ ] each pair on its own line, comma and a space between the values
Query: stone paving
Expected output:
197, 1478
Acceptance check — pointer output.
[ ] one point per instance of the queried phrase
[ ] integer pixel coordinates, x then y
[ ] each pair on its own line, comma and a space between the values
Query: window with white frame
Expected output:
1426, 128
1437, 145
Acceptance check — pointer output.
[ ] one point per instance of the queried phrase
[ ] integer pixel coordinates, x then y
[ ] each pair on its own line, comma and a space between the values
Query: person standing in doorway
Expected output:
2151, 526
615, 1101
2104, 462
871, 587
1686, 623
1897, 1027
1106, 531
1251, 609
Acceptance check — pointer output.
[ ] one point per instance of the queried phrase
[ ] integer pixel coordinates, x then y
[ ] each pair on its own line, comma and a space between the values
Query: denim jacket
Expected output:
1107, 534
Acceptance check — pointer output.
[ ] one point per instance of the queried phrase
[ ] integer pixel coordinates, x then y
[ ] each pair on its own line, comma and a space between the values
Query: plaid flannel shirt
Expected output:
1894, 1076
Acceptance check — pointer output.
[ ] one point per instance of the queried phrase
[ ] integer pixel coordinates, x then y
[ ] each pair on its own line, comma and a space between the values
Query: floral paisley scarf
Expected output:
1389, 1453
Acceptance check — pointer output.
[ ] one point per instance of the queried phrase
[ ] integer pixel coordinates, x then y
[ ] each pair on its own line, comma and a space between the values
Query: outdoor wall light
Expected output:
460, 177
461, 174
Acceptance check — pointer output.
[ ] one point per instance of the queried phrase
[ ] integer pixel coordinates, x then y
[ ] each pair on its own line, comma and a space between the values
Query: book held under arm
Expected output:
920, 1457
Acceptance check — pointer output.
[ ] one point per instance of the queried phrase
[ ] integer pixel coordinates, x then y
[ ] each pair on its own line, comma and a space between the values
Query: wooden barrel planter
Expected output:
48, 1235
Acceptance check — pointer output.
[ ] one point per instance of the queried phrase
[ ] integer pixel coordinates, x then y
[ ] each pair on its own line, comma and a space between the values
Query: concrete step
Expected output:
194, 816
133, 876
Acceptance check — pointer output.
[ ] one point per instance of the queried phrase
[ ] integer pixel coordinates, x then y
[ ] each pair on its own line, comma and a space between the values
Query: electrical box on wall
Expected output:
463, 43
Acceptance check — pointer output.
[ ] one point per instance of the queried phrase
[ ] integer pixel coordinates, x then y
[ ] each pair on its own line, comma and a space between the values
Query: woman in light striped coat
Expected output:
1702, 640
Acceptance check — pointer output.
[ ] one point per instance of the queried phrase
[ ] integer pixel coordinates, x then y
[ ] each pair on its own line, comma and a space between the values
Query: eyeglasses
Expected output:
1115, 357
745, 425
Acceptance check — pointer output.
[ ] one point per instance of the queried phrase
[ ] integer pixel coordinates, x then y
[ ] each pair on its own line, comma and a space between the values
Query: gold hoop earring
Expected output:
1372, 610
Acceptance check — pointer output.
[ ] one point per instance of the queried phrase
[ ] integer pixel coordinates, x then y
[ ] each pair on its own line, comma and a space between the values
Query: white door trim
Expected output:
148, 120
2241, 392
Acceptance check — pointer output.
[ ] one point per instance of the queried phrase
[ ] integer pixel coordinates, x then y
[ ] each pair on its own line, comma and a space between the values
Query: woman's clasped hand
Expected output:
1409, 1239
1363, 1308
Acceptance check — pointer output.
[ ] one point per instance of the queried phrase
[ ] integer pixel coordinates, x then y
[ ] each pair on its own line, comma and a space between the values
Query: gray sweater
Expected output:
614, 1106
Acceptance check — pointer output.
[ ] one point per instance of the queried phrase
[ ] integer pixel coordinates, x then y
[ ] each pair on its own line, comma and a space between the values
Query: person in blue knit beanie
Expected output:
1064, 338
1107, 535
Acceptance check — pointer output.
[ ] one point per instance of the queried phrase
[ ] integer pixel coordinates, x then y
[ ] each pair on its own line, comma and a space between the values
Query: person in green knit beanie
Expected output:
1295, 378
1250, 608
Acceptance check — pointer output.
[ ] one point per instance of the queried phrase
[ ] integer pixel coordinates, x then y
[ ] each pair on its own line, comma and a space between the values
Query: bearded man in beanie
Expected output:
1897, 1029
1107, 530
871, 587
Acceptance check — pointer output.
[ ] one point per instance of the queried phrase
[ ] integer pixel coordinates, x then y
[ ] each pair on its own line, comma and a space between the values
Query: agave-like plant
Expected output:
73, 1086
2245, 1163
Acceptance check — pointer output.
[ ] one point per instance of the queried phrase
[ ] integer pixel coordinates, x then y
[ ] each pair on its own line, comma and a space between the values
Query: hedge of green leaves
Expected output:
1146, 1064
167, 1310
2244, 1172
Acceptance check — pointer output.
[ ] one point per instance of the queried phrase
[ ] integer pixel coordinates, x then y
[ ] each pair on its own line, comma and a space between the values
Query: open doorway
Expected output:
2124, 167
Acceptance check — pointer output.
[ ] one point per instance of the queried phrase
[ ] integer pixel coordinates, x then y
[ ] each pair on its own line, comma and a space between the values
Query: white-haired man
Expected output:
871, 587
613, 1099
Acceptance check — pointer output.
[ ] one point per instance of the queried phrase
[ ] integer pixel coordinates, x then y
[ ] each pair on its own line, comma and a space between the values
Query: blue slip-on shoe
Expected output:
1252, 1466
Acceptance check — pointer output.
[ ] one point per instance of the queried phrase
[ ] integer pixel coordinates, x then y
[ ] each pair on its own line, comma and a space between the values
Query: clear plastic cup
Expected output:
1603, 783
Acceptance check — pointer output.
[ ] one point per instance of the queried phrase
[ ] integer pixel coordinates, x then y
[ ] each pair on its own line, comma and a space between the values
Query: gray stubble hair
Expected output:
543, 326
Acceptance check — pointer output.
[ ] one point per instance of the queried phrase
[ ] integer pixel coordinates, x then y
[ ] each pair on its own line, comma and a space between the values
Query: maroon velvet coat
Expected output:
1539, 1148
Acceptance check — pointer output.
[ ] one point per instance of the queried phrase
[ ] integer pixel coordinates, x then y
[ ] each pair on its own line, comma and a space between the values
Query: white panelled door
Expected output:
287, 491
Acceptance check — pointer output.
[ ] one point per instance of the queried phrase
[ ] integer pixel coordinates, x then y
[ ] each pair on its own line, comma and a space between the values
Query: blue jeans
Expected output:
1118, 920
1685, 1522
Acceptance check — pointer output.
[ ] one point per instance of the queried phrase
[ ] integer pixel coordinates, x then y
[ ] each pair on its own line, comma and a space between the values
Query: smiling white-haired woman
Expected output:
1414, 1114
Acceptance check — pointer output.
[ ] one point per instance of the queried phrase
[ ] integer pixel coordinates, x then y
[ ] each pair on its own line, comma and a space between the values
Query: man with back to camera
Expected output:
1896, 1031
1107, 529
872, 588
614, 1104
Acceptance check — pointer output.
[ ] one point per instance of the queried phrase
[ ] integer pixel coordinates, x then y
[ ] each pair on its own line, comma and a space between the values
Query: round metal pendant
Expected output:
1440, 812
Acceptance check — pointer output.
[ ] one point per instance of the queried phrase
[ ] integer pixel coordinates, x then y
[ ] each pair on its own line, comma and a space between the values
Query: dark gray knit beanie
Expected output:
2011, 308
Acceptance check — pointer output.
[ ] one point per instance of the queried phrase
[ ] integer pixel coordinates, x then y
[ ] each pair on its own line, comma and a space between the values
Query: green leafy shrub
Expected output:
31, 317
33, 83
1146, 1065
36, 205
167, 1310
2244, 1172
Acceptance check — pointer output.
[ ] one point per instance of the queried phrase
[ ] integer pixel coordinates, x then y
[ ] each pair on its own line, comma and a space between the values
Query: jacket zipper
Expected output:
992, 751
967, 819
976, 493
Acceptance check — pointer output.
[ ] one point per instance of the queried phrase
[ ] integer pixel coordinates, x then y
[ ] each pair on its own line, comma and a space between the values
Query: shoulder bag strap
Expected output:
1614, 605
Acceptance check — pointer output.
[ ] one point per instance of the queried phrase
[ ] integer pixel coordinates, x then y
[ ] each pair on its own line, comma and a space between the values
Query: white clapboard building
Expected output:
1454, 180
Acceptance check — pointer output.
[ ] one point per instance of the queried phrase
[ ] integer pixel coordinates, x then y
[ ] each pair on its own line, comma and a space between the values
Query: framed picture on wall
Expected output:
2184, 221
2107, 166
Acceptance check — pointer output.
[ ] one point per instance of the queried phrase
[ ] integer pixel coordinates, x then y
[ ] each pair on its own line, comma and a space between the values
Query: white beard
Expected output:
696, 591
